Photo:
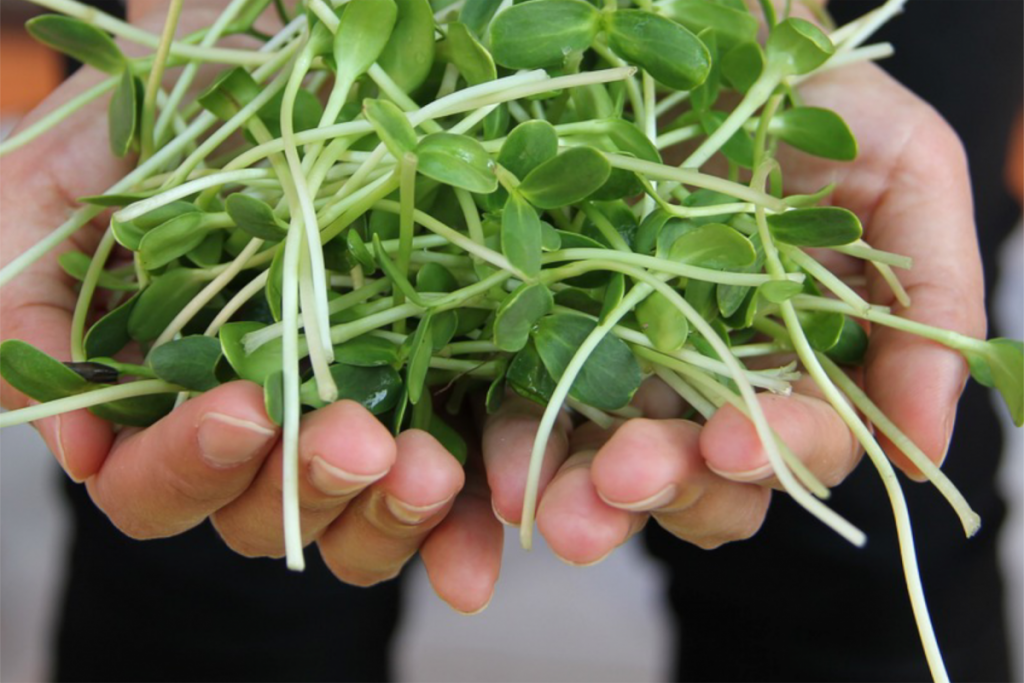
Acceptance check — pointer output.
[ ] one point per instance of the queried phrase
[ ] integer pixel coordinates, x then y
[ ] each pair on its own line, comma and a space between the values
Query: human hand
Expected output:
710, 484
369, 501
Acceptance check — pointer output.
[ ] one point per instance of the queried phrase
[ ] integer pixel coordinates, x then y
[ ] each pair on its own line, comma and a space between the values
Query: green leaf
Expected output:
173, 239
367, 351
123, 114
443, 326
820, 132
162, 300
731, 26
306, 114
257, 366
449, 438
116, 199
816, 226
232, 90
714, 245
742, 65
852, 346
778, 291
476, 14
273, 397
613, 293
190, 362
38, 375
409, 54
797, 46
357, 247
255, 217
79, 40
666, 50
392, 126
566, 179
457, 160
528, 377
129, 234
661, 321
543, 33
470, 57
739, 148
529, 145
208, 253
702, 296
823, 329
109, 334
433, 277
76, 264
375, 388
275, 284
521, 235
140, 411
609, 377
420, 351
518, 313
362, 35
496, 393
629, 139
1001, 365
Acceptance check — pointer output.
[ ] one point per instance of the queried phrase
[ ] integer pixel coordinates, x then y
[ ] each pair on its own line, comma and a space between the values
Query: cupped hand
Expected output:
368, 500
711, 483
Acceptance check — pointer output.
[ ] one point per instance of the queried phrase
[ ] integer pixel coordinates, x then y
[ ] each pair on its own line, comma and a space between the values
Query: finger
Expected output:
462, 555
168, 478
385, 526
507, 444
807, 424
911, 189
657, 467
343, 449
579, 527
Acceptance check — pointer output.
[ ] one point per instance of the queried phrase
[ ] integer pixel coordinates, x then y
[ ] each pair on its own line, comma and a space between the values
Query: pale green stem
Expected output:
669, 101
86, 399
757, 416
558, 396
251, 289
664, 266
689, 176
156, 74
122, 29
57, 115
133, 211
686, 391
291, 393
720, 395
457, 238
211, 290
647, 204
188, 74
86, 291
681, 134
826, 277
968, 517
861, 250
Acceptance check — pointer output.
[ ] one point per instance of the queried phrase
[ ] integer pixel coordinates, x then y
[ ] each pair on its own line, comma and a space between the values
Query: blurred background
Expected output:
615, 628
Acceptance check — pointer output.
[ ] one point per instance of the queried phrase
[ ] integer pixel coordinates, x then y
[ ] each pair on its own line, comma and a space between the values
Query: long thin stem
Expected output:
148, 118
87, 399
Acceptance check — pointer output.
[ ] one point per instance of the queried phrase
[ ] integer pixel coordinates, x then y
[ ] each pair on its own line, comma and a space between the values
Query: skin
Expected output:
370, 501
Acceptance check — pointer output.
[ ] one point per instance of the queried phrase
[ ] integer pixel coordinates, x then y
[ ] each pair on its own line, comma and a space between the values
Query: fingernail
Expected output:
500, 518
335, 481
658, 500
413, 514
757, 474
227, 441
476, 611
591, 563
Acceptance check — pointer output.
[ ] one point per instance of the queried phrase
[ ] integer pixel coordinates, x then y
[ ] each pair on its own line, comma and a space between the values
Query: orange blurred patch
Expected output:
1015, 160
29, 71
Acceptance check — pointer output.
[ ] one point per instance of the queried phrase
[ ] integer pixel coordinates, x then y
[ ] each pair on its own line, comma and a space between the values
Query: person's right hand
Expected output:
368, 500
